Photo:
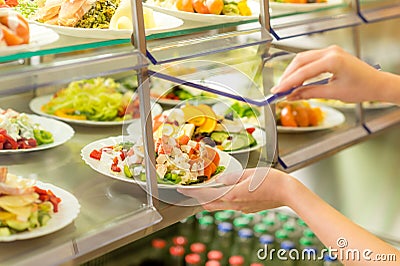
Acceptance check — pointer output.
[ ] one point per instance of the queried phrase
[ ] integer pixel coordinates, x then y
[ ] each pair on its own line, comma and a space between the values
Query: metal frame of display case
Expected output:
295, 153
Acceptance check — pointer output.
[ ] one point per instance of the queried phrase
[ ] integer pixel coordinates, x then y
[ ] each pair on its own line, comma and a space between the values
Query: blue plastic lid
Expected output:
245, 233
327, 257
287, 245
225, 227
266, 239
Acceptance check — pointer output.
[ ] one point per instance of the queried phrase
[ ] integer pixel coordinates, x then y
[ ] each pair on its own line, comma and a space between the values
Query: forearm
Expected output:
330, 226
388, 88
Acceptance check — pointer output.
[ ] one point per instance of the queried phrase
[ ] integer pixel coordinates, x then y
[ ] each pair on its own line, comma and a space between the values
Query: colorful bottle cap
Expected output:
176, 250
266, 239
328, 257
250, 216
308, 233
301, 222
213, 263
281, 234
215, 255
256, 264
306, 241
241, 222
192, 258
206, 220
260, 228
179, 240
202, 214
268, 221
225, 227
236, 260
288, 226
283, 217
245, 233
222, 216
198, 247
287, 245
158, 243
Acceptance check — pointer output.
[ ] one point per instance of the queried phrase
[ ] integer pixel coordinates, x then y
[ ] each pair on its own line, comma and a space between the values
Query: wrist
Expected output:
291, 192
388, 89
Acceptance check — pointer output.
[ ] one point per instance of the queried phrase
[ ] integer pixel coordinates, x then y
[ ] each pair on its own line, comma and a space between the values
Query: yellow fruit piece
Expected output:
244, 9
193, 114
211, 119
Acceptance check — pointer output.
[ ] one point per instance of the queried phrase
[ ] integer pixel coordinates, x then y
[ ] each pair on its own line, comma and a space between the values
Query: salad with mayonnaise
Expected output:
23, 205
179, 161
18, 131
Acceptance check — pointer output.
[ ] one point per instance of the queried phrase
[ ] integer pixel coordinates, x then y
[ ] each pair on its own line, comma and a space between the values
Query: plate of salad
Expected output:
180, 162
92, 102
167, 93
41, 208
20, 132
201, 124
303, 6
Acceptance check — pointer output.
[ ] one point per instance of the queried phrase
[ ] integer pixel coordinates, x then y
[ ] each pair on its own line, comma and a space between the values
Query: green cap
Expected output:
301, 222
281, 234
308, 233
206, 220
260, 228
250, 216
263, 212
268, 221
306, 241
283, 217
288, 226
231, 212
222, 216
241, 222
201, 214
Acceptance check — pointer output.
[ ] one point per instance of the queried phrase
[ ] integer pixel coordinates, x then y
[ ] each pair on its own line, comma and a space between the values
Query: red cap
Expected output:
256, 264
215, 255
177, 250
179, 240
236, 260
213, 263
158, 243
198, 247
192, 258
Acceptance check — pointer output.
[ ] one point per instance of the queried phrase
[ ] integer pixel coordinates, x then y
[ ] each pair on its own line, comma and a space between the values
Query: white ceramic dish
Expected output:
69, 209
303, 7
209, 18
350, 106
231, 164
61, 131
37, 103
39, 36
332, 119
163, 22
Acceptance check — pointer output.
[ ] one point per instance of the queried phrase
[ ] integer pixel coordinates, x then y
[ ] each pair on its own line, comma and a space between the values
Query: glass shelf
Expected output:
63, 69
371, 11
318, 21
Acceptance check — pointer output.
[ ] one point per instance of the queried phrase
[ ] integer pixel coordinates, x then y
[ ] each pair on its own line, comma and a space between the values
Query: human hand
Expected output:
238, 194
352, 79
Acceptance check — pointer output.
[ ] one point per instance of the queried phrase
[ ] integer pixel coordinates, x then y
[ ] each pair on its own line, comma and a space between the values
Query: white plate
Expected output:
230, 163
37, 103
303, 7
39, 36
332, 118
62, 132
209, 18
68, 210
163, 22
134, 129
347, 106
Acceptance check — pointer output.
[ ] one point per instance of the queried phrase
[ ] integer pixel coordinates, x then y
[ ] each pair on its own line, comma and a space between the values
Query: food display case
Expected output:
113, 213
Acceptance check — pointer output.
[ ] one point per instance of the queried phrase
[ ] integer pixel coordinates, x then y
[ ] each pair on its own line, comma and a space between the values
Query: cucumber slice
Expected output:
239, 141
219, 136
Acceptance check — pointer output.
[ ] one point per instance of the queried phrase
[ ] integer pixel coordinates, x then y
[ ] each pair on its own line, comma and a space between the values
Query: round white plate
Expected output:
332, 118
303, 7
347, 106
68, 210
134, 129
39, 36
163, 22
209, 18
37, 103
61, 131
230, 163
